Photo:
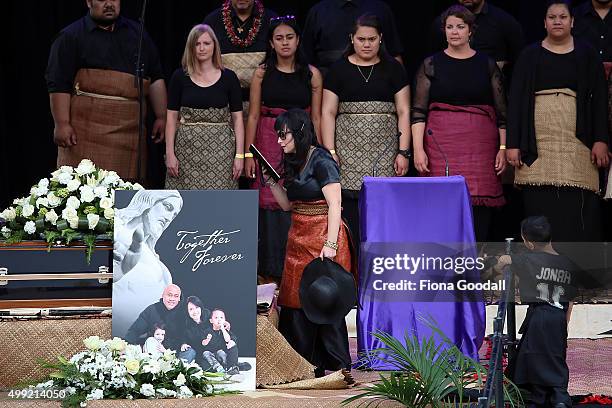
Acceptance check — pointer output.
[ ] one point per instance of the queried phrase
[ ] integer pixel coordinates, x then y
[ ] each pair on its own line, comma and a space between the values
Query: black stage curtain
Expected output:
27, 152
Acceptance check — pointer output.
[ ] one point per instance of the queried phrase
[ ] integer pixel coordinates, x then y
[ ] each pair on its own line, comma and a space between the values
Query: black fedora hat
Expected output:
327, 291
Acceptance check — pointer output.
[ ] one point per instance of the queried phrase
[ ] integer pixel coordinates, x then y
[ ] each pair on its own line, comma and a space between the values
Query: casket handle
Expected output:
103, 276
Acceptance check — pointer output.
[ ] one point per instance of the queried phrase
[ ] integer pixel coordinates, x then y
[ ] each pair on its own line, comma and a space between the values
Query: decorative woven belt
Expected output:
390, 115
310, 209
78, 91
182, 122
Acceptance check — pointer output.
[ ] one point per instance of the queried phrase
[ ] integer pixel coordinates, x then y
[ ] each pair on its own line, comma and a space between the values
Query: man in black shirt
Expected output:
90, 80
329, 23
593, 24
168, 311
547, 282
241, 27
497, 33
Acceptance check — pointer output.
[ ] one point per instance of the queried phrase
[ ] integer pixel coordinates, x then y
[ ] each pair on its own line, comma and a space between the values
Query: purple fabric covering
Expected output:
415, 210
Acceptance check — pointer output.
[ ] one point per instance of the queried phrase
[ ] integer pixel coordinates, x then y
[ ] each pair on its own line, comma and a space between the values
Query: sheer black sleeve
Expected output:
499, 94
422, 83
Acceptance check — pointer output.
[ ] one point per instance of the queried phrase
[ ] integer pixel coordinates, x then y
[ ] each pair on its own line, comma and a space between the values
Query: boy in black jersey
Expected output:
547, 283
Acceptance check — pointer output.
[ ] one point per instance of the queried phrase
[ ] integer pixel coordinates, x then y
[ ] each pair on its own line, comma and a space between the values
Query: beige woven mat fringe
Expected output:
338, 380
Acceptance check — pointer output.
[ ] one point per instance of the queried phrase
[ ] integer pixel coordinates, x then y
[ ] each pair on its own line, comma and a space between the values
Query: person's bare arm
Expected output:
317, 99
172, 163
280, 194
238, 124
159, 101
63, 133
333, 197
402, 106
328, 120
253, 119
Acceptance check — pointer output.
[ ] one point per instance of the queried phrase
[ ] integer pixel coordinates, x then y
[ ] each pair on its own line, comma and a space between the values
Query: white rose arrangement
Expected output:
74, 203
112, 369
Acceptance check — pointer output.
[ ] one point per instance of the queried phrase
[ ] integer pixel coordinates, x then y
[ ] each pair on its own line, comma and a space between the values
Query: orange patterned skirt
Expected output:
306, 237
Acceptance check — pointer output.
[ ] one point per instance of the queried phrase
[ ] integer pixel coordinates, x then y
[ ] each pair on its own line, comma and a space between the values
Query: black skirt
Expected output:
574, 213
541, 354
273, 231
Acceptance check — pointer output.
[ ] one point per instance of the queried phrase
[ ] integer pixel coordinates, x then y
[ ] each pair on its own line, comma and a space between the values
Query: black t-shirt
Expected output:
546, 278
355, 83
471, 81
320, 170
557, 71
217, 342
285, 90
184, 92
85, 45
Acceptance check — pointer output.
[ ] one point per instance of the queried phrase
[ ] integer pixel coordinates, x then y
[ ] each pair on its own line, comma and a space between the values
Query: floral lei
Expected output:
229, 27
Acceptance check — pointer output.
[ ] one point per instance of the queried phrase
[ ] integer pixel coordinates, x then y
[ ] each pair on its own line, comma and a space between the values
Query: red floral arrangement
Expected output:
229, 27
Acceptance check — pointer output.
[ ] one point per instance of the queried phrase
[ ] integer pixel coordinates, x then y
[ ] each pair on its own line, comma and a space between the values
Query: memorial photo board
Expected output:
184, 277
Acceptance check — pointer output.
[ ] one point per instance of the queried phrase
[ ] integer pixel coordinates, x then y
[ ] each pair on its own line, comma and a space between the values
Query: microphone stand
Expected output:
377, 161
139, 84
494, 385
446, 169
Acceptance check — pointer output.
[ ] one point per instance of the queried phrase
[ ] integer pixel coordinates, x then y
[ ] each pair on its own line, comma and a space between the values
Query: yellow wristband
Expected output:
248, 155
502, 147
239, 156
332, 151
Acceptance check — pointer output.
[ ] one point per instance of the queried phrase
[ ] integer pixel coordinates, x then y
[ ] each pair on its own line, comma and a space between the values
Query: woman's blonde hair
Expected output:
189, 57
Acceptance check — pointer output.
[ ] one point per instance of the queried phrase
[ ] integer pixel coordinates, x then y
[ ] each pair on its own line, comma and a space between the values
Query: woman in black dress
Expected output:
557, 129
459, 118
312, 193
284, 81
366, 103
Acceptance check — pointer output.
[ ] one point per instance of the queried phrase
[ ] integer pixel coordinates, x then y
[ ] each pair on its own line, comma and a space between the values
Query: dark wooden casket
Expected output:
33, 276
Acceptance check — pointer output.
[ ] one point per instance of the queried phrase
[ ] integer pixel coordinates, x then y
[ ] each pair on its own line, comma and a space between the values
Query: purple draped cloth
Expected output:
411, 211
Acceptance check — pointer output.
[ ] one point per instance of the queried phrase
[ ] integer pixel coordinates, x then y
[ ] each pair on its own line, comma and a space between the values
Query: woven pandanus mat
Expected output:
277, 362
25, 341
257, 399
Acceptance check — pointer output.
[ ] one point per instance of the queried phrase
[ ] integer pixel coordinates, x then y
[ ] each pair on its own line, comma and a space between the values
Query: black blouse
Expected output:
354, 83
557, 71
471, 81
285, 90
320, 170
184, 92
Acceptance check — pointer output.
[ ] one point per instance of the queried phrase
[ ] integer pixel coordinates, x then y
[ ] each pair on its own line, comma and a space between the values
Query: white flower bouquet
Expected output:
74, 203
112, 369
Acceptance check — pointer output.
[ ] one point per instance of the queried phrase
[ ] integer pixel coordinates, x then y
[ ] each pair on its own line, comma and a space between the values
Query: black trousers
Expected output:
544, 397
323, 345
